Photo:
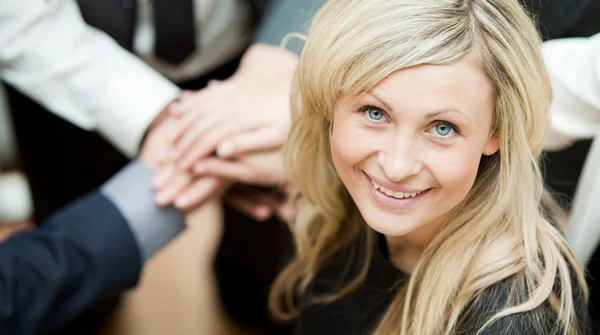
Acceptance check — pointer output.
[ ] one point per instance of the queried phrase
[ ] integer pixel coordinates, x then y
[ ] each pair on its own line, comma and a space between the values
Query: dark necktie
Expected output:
115, 17
175, 29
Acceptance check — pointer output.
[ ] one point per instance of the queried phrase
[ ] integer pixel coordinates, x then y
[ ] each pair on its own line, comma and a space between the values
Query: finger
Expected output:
193, 138
261, 139
288, 189
270, 198
186, 95
158, 143
258, 196
277, 202
181, 107
167, 194
214, 83
200, 113
207, 143
225, 169
248, 206
185, 122
199, 191
191, 126
187, 100
164, 176
286, 212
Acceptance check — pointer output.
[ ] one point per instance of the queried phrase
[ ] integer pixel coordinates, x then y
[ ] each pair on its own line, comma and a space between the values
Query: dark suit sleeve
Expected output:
50, 274
283, 17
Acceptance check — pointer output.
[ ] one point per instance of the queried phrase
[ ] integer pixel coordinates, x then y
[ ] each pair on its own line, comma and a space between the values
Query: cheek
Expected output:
455, 171
348, 146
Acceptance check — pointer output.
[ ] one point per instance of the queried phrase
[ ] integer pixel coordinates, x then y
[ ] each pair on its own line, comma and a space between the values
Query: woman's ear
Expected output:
492, 145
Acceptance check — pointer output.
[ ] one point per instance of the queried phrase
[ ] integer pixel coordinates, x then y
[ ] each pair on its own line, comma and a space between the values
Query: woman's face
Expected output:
408, 150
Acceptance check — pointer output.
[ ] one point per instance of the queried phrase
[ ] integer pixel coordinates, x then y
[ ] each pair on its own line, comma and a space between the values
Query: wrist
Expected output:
158, 119
162, 115
277, 61
157, 139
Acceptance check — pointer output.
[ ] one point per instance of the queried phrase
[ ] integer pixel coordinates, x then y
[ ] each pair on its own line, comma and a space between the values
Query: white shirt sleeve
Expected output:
574, 65
78, 72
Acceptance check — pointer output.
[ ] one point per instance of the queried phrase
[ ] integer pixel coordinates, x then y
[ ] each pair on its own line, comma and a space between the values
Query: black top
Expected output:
359, 312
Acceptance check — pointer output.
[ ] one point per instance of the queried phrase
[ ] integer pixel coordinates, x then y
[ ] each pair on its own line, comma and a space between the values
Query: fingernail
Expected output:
285, 213
184, 165
174, 107
162, 199
225, 150
182, 202
200, 168
162, 156
185, 95
159, 180
262, 213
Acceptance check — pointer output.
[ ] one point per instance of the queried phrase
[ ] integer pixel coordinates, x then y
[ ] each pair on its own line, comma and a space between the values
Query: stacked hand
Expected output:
226, 139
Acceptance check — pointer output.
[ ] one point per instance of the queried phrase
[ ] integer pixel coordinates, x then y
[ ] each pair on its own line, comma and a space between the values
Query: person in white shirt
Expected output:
101, 88
84, 77
574, 65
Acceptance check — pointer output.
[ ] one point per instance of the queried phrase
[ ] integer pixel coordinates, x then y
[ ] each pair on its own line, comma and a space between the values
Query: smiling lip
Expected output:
396, 198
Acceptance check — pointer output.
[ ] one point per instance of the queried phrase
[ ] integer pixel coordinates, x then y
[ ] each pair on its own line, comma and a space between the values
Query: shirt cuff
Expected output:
153, 226
130, 104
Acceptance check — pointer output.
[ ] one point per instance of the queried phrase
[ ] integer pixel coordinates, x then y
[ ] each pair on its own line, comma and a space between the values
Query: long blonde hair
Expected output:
503, 228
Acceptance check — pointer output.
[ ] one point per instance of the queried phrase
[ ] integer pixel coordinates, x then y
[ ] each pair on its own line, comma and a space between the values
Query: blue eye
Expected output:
373, 113
444, 129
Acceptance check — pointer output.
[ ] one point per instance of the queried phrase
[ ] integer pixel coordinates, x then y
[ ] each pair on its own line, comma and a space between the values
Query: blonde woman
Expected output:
417, 129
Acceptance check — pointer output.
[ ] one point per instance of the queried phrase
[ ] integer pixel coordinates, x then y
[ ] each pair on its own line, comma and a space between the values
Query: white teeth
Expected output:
390, 193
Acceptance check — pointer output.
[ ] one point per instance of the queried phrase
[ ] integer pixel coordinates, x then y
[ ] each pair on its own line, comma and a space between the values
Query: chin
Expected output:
391, 226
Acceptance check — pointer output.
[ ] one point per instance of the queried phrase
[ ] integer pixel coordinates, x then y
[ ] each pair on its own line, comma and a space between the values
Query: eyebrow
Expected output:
430, 115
